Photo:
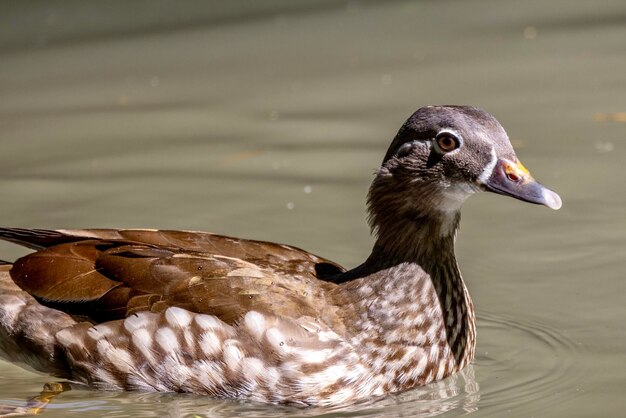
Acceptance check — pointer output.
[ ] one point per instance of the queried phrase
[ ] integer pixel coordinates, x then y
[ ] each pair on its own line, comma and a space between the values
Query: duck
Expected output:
197, 312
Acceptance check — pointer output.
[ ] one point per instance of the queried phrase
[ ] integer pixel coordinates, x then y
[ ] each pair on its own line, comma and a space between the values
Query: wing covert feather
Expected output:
107, 274
63, 273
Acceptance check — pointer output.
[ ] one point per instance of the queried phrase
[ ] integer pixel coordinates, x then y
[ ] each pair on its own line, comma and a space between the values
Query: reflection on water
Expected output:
266, 119
459, 392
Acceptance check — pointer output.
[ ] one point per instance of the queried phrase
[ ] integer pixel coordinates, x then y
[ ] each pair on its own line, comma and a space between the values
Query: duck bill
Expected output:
513, 179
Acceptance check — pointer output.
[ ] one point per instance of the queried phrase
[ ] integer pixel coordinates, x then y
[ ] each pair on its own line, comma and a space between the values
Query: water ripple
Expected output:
526, 365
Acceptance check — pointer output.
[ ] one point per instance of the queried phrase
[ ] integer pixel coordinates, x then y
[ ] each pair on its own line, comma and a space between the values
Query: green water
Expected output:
266, 120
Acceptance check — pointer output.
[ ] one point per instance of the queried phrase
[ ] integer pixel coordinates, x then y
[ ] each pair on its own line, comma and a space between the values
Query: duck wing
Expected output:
106, 274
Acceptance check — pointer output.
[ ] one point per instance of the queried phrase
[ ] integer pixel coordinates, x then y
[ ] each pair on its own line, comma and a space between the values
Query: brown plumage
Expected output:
204, 313
110, 274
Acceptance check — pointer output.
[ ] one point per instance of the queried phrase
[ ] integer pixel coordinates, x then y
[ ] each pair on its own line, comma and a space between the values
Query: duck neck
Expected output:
411, 289
422, 238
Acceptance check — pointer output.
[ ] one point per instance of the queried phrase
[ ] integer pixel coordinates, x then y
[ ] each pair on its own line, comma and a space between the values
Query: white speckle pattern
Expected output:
142, 340
167, 339
275, 338
136, 322
208, 322
210, 344
178, 317
232, 355
255, 323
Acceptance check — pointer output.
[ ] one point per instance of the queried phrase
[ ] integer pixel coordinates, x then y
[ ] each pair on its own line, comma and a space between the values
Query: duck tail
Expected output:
28, 329
36, 238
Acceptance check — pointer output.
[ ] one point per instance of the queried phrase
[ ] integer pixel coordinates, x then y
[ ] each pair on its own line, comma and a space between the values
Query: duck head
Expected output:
440, 157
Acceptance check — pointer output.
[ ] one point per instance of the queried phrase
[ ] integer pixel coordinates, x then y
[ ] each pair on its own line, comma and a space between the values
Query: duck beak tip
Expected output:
551, 199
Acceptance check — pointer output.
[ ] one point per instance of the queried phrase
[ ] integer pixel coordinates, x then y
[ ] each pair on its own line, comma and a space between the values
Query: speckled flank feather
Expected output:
197, 312
262, 358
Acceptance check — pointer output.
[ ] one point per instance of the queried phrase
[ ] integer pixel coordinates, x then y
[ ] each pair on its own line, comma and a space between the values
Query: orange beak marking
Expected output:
516, 172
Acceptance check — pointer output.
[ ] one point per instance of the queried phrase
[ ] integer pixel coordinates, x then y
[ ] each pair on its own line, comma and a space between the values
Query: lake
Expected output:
266, 120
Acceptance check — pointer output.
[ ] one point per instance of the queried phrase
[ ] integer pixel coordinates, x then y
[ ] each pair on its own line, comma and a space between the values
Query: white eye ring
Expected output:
447, 141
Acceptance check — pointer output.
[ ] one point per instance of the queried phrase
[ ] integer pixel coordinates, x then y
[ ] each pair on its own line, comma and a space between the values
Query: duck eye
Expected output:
447, 142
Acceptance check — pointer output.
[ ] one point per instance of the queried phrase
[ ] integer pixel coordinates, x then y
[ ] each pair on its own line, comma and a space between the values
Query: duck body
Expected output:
203, 313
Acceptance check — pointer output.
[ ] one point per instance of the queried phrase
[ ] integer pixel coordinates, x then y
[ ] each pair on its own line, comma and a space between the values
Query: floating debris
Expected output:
530, 32
610, 117
604, 146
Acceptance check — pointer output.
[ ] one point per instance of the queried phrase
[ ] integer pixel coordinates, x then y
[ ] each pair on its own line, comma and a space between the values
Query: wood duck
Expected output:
181, 311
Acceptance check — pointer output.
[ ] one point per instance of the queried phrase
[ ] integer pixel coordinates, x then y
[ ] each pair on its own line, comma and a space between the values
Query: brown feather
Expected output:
108, 274
64, 273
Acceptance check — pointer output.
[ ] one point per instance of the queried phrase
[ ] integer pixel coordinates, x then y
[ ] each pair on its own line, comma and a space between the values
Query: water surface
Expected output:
266, 120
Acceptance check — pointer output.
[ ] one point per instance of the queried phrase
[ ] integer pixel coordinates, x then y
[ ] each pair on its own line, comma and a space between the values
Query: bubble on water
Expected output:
308, 189
530, 32
604, 146
290, 205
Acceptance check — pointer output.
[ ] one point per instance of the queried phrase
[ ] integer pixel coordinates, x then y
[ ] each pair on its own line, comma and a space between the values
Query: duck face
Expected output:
444, 154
